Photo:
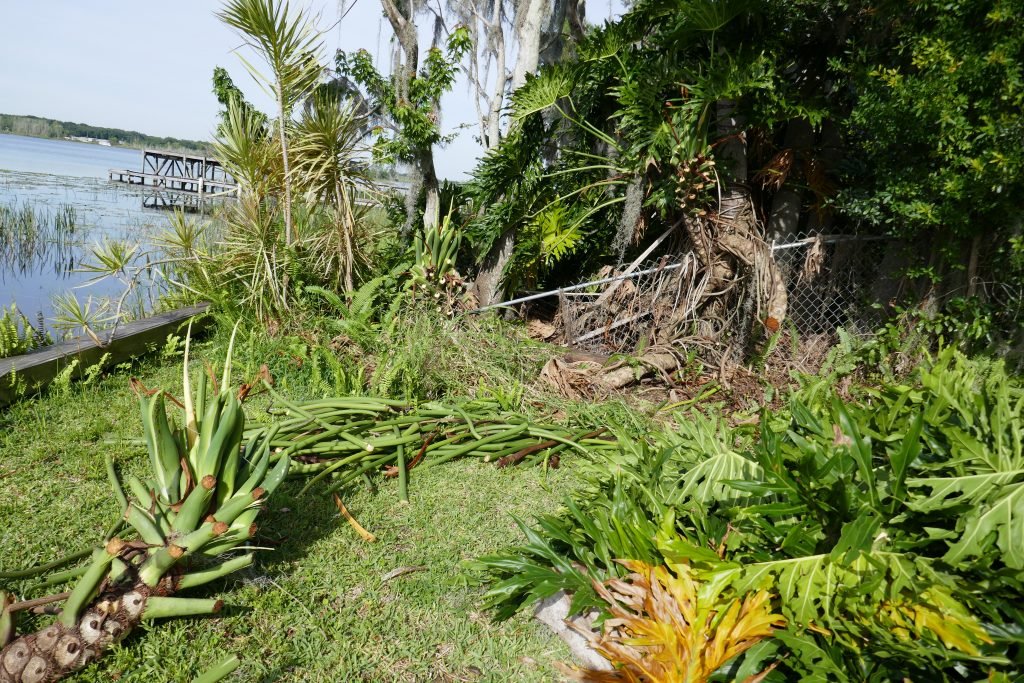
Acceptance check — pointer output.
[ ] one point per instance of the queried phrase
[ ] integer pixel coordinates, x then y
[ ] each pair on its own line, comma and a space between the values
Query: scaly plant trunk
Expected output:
202, 500
345, 222
62, 648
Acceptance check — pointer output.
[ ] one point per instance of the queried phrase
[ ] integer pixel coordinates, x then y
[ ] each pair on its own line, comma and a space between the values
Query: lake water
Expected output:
48, 174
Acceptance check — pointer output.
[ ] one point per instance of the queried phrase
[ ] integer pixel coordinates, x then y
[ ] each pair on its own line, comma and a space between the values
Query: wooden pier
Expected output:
179, 173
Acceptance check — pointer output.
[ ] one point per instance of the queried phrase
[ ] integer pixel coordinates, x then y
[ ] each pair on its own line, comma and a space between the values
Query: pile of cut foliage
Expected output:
210, 475
877, 539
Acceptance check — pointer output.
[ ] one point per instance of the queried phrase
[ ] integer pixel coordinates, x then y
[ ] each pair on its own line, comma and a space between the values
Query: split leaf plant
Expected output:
887, 523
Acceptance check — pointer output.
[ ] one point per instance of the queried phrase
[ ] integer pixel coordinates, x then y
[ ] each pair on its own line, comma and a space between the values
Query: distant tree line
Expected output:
38, 126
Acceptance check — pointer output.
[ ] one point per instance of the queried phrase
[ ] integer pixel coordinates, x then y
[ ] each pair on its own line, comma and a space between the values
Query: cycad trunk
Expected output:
58, 650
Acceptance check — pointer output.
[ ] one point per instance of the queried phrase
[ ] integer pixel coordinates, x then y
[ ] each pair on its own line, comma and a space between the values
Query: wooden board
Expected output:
30, 372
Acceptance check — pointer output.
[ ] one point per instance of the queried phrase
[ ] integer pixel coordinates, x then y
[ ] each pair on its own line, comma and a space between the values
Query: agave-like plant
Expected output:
201, 501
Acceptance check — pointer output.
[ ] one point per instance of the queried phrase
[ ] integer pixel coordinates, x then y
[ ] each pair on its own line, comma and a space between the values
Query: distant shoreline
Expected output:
52, 129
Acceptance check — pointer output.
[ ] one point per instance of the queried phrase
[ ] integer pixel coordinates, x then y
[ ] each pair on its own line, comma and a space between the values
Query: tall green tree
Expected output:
935, 125
289, 45
406, 106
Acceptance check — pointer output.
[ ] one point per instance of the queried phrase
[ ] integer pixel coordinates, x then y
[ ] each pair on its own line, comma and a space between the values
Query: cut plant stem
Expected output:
403, 473
43, 568
218, 671
199, 578
158, 607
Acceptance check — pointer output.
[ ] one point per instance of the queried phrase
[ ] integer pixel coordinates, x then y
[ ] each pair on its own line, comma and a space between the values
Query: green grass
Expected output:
314, 607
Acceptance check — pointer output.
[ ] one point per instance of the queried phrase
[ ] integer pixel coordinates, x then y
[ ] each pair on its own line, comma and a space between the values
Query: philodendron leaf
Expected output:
945, 492
857, 536
908, 451
1002, 521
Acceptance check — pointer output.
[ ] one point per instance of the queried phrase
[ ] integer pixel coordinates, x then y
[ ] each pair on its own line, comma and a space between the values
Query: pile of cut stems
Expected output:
336, 442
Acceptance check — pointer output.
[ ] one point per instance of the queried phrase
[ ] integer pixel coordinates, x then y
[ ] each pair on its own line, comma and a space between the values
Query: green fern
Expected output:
17, 335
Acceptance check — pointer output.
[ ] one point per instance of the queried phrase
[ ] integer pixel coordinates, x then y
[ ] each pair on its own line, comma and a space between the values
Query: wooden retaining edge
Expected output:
33, 371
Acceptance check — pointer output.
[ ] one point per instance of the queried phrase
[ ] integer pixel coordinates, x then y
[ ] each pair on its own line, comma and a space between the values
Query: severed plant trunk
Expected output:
202, 500
61, 649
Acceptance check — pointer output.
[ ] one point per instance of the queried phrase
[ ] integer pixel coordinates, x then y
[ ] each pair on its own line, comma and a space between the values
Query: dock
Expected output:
201, 177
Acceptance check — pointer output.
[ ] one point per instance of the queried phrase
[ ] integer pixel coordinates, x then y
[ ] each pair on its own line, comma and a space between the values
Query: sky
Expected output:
147, 65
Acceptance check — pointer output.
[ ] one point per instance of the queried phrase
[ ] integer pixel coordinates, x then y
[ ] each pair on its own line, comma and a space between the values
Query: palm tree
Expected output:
290, 46
329, 166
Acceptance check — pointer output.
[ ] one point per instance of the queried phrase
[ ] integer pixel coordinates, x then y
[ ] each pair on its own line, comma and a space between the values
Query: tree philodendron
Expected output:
201, 501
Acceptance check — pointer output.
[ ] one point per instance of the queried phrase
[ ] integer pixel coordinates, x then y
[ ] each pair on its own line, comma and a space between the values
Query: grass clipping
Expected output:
667, 627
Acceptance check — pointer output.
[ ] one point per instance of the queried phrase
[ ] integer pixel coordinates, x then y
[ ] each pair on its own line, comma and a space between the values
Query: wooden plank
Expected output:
37, 369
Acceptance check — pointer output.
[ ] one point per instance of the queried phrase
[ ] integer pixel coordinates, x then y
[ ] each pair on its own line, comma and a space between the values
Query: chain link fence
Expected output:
833, 281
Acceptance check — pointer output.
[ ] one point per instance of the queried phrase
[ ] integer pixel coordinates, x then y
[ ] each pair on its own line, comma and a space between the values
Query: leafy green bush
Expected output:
17, 336
887, 527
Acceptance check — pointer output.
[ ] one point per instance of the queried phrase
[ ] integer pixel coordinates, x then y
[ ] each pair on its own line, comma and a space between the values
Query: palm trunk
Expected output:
344, 217
289, 235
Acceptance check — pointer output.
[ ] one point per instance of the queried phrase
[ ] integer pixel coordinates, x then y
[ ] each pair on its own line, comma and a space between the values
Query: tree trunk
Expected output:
528, 30
732, 159
289, 230
431, 210
487, 286
405, 30
972, 266
493, 134
784, 221
737, 235
529, 22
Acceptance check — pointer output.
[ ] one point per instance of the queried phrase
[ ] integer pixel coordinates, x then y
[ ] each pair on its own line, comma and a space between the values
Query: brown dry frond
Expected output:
819, 183
668, 627
776, 171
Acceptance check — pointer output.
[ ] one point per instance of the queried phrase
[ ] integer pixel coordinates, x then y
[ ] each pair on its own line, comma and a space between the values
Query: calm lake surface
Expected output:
48, 174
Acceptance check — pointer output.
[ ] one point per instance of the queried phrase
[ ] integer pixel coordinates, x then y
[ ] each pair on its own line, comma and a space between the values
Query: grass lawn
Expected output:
316, 607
